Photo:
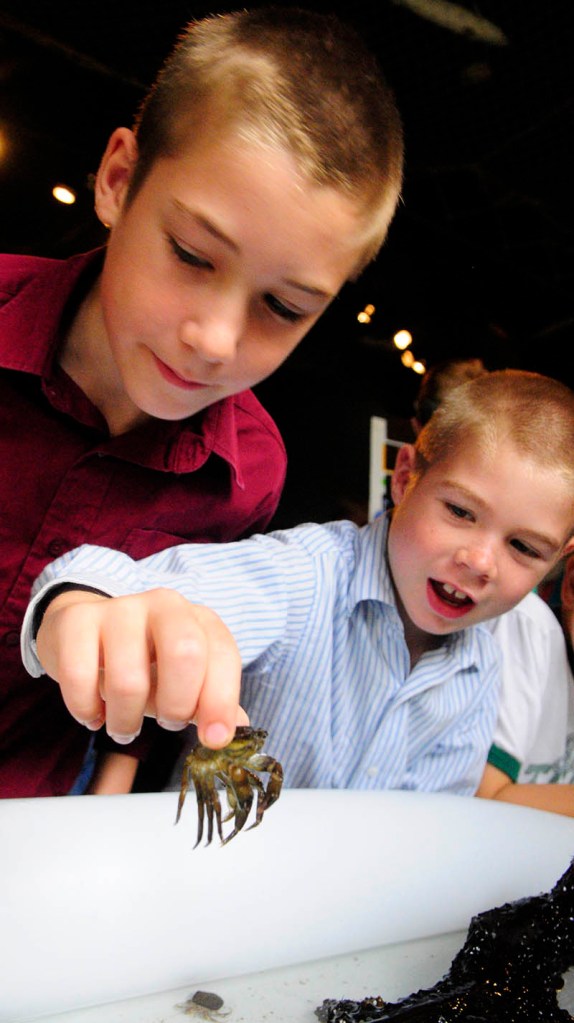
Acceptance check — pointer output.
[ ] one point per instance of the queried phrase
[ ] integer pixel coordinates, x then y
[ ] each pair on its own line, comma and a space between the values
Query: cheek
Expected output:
514, 581
404, 548
261, 355
415, 537
135, 306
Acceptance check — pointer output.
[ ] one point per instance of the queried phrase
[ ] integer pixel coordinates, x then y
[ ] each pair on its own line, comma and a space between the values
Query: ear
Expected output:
567, 588
114, 175
403, 472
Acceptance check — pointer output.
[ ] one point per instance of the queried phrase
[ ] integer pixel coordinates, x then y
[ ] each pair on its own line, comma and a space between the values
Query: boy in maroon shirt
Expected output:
262, 173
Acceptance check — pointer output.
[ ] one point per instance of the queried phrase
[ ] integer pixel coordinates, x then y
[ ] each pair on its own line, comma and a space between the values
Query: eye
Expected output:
457, 512
524, 548
189, 258
282, 310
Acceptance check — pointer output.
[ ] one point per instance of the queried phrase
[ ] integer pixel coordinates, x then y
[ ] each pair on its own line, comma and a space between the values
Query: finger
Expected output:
218, 708
179, 637
68, 645
242, 717
127, 679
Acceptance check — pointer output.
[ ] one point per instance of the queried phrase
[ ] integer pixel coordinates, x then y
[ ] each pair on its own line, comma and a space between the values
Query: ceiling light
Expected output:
402, 339
64, 194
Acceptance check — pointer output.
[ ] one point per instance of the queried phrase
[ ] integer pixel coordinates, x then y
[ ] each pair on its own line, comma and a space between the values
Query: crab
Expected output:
204, 1005
234, 767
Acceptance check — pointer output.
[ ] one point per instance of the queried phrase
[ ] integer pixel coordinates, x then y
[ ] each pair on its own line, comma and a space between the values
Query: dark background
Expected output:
479, 259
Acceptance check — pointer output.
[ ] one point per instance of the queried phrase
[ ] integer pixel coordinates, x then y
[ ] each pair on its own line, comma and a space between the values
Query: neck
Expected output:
86, 357
418, 642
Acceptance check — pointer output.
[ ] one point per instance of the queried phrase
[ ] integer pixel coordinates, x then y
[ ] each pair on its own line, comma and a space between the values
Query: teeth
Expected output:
453, 592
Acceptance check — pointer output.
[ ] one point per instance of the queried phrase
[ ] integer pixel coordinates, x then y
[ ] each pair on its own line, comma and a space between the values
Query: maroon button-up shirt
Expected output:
64, 481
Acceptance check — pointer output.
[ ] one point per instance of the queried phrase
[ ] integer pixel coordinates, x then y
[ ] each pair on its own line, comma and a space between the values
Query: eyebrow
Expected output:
221, 236
530, 534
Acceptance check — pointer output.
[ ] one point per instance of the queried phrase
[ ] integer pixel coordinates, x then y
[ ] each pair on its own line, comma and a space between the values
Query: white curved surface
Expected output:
102, 898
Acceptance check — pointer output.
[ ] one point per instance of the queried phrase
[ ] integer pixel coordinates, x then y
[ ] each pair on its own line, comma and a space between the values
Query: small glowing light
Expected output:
402, 339
407, 359
364, 317
369, 309
64, 194
419, 367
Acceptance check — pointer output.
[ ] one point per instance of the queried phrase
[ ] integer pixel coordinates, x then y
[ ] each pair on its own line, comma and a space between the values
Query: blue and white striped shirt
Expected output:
326, 666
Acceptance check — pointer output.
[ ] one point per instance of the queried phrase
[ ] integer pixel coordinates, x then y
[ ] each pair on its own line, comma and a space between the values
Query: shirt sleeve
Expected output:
263, 588
532, 716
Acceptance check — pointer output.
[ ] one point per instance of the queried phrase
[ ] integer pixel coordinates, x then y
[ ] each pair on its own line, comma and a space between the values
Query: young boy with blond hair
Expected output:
364, 652
261, 175
530, 738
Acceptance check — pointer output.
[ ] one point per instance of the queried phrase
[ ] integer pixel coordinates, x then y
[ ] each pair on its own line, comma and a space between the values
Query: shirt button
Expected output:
372, 772
56, 547
11, 638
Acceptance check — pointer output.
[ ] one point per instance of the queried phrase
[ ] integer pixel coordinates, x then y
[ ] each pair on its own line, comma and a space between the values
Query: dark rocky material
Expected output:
509, 970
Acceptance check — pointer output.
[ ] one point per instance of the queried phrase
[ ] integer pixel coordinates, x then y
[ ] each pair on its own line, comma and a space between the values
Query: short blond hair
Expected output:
288, 78
532, 412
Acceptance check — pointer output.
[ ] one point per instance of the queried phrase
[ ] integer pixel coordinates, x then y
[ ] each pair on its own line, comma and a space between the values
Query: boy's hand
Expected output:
152, 654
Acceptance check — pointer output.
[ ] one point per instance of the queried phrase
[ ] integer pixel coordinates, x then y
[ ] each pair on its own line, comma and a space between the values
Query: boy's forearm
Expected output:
114, 774
225, 577
555, 798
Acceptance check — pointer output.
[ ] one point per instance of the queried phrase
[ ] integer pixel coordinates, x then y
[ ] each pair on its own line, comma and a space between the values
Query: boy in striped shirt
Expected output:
362, 651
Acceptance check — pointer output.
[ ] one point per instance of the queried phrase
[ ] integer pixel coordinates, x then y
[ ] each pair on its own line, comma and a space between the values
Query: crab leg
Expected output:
185, 779
273, 791
211, 801
238, 784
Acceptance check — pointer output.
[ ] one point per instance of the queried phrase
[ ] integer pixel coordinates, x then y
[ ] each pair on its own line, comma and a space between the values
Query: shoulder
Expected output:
330, 539
16, 271
41, 274
328, 553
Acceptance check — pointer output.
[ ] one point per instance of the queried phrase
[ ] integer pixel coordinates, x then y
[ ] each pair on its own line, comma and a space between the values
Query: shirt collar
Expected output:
372, 579
37, 296
182, 447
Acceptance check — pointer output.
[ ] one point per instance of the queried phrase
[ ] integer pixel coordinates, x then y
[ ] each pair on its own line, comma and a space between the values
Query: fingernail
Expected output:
217, 734
172, 726
94, 724
123, 740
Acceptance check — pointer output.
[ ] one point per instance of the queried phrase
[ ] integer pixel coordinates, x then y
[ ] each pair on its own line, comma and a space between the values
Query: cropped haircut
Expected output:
533, 413
288, 78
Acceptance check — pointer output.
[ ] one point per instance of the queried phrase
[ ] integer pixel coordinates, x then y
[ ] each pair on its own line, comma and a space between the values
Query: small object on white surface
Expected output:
102, 899
290, 994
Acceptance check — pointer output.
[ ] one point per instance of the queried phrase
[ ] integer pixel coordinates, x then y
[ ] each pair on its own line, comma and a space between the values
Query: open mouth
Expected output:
448, 600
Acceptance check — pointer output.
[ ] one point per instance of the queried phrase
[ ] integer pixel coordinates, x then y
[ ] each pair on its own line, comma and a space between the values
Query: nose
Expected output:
215, 334
478, 556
